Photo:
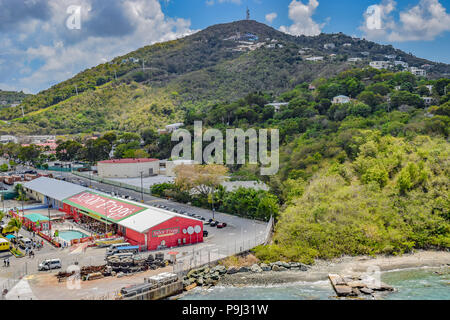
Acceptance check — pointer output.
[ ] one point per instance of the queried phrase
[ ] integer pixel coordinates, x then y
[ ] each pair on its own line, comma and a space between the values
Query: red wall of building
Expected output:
134, 237
172, 240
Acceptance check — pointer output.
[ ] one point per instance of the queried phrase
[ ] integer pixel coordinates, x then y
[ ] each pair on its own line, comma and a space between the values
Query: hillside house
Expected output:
401, 63
428, 100
380, 64
418, 72
341, 99
277, 105
329, 46
314, 59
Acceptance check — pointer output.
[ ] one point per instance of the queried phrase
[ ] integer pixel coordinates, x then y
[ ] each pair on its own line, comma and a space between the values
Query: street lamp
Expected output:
106, 221
142, 188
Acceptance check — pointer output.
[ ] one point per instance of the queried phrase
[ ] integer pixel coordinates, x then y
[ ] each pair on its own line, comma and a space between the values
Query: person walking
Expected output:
7, 262
4, 262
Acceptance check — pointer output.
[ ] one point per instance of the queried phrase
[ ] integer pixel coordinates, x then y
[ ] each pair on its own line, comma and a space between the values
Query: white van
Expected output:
25, 243
50, 264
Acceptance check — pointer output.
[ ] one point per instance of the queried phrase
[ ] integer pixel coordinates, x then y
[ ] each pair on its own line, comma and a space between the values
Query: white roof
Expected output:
150, 218
55, 189
140, 222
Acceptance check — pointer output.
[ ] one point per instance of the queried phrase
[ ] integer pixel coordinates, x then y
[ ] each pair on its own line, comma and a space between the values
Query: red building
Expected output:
140, 224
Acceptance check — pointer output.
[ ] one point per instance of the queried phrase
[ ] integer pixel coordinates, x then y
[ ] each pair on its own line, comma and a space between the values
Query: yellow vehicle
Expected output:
4, 245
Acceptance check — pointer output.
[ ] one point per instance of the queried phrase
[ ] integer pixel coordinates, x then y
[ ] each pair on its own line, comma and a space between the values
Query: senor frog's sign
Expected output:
165, 232
104, 206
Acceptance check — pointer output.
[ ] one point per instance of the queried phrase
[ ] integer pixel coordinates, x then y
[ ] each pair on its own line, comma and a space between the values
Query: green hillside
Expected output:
196, 70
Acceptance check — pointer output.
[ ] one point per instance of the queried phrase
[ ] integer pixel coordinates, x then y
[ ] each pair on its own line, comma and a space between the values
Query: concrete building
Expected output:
277, 105
418, 72
341, 99
7, 139
428, 100
354, 59
401, 63
128, 168
314, 59
380, 64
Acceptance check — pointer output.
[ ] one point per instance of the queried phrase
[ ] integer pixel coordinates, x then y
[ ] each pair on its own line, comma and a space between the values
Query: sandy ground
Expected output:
344, 266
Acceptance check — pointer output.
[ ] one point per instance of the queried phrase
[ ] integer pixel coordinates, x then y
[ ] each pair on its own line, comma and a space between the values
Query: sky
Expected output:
44, 42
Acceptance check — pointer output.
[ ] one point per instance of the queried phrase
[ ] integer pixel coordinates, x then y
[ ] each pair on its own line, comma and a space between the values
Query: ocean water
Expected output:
412, 284
419, 284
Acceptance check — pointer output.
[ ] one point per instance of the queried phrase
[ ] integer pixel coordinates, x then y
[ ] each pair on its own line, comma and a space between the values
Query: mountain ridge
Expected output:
203, 67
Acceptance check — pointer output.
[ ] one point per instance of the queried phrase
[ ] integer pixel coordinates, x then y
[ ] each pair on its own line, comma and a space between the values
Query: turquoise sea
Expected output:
411, 284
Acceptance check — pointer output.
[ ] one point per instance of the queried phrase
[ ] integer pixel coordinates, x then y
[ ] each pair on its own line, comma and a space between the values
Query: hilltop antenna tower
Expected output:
248, 13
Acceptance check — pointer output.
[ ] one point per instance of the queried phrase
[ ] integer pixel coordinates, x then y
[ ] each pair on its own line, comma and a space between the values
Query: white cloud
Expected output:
424, 21
301, 14
56, 53
271, 16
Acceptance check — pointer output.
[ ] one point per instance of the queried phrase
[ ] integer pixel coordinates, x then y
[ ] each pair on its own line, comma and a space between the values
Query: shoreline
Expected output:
343, 266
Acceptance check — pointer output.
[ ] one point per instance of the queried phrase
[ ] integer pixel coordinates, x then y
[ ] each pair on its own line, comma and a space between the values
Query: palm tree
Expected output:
14, 225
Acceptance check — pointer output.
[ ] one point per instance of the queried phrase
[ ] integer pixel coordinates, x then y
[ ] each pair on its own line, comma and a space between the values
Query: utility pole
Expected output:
248, 14
142, 188
212, 203
48, 209
76, 89
106, 221
143, 66
23, 114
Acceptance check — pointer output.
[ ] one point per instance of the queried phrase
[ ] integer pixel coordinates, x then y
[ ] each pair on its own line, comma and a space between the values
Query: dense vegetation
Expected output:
365, 177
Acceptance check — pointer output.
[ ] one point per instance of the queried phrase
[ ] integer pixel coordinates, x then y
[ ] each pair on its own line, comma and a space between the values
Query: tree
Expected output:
97, 150
68, 150
404, 97
370, 98
14, 225
29, 154
111, 137
200, 179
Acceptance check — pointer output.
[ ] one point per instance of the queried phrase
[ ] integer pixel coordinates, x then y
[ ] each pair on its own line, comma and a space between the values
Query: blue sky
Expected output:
42, 44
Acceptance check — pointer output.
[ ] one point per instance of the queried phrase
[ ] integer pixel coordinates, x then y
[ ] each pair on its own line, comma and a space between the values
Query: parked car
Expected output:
221, 225
50, 264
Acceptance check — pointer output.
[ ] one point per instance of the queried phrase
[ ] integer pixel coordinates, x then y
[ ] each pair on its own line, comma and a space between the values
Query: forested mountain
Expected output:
156, 84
